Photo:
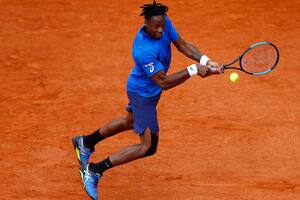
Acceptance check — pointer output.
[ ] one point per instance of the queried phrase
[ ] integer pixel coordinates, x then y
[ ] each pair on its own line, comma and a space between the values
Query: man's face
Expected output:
155, 26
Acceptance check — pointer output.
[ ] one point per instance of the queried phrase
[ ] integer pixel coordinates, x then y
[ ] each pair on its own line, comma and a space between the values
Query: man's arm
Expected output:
192, 52
188, 49
172, 80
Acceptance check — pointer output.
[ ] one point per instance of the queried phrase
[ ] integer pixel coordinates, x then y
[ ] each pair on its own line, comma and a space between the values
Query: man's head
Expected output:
154, 18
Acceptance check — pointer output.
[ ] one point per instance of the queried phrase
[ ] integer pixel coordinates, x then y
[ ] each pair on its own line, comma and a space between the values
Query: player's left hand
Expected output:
214, 67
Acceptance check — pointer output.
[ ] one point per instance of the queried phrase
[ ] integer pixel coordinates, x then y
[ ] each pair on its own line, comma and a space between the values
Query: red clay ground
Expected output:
64, 66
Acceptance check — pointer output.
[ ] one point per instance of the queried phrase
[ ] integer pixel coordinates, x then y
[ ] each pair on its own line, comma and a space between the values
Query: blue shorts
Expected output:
144, 112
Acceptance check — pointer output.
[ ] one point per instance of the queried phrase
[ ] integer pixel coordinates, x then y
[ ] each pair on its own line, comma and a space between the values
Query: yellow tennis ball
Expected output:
234, 77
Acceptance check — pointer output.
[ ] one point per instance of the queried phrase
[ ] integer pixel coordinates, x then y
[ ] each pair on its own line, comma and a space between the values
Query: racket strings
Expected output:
259, 59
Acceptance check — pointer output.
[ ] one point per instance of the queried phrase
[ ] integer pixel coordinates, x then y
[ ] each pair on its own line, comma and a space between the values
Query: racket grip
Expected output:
212, 69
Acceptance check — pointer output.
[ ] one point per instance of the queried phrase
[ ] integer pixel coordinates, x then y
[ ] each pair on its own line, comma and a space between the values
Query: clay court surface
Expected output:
64, 66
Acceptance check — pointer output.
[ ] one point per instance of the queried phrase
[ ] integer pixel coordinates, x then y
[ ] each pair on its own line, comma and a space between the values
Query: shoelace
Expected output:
89, 175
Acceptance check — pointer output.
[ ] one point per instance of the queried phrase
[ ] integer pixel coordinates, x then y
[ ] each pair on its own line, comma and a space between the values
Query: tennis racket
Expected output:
258, 59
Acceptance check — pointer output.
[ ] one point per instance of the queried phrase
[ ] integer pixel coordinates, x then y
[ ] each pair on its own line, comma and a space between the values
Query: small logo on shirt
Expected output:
151, 67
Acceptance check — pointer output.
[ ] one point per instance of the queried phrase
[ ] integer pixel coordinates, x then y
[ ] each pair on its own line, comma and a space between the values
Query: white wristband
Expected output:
192, 69
203, 60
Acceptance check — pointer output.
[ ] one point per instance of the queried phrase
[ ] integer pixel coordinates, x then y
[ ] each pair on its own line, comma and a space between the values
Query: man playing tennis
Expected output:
152, 56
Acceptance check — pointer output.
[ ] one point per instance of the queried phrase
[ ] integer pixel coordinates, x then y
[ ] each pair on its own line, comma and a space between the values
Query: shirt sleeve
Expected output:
149, 63
172, 33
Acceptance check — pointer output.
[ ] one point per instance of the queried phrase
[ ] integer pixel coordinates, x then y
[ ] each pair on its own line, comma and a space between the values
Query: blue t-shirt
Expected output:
150, 56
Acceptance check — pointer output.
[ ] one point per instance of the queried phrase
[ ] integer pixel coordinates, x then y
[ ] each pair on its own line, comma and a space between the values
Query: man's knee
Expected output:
153, 148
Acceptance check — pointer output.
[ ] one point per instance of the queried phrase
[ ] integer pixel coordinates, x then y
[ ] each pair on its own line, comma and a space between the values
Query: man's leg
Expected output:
133, 152
114, 127
84, 145
91, 173
147, 147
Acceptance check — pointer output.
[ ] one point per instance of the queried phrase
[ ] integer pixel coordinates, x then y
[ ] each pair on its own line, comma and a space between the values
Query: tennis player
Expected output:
151, 52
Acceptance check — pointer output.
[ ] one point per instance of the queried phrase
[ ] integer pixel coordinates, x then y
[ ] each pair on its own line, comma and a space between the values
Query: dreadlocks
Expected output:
154, 9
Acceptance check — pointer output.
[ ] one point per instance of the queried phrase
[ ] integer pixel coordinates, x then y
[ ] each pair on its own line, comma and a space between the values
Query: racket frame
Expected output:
228, 66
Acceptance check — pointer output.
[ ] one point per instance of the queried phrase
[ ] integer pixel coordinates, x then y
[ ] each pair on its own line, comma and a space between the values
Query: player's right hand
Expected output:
214, 67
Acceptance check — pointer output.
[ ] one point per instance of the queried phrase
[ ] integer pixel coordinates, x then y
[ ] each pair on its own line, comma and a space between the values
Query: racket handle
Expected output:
212, 69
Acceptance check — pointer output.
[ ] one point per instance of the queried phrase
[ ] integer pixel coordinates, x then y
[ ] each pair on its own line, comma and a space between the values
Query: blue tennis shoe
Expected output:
90, 181
82, 152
